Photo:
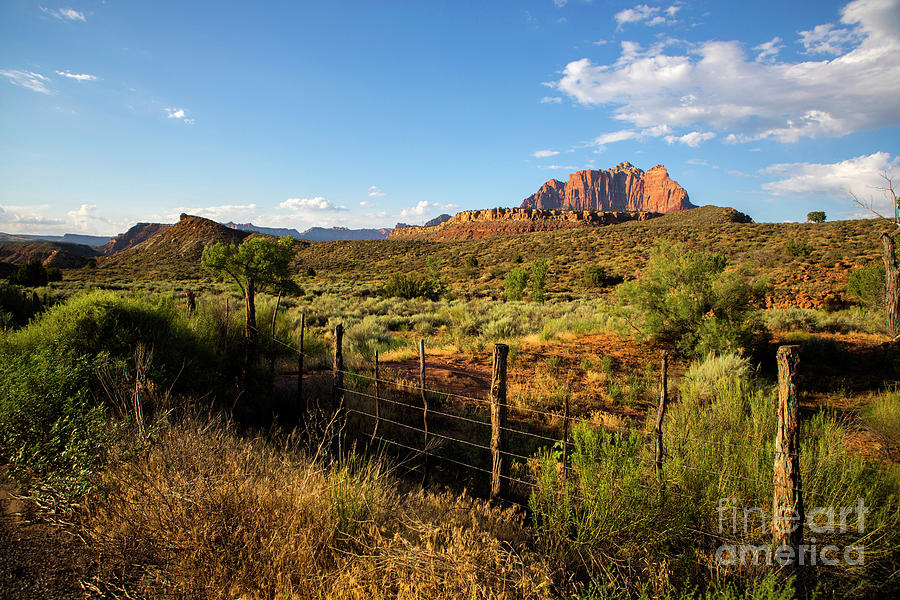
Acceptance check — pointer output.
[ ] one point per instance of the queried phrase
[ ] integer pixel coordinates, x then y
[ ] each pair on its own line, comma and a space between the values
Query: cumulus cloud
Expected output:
560, 3
77, 76
375, 192
180, 114
713, 85
827, 39
318, 203
544, 153
424, 207
15, 216
64, 14
28, 80
860, 175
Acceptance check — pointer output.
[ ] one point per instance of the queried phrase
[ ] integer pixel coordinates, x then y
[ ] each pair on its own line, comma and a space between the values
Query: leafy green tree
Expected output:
256, 265
539, 270
816, 216
31, 274
690, 301
516, 280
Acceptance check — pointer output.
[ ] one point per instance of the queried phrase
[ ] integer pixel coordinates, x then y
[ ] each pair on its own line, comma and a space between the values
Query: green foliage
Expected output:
709, 377
471, 262
539, 270
54, 274
795, 248
604, 511
690, 301
883, 417
261, 260
594, 275
50, 424
31, 274
310, 272
816, 216
109, 323
17, 307
516, 280
405, 286
867, 283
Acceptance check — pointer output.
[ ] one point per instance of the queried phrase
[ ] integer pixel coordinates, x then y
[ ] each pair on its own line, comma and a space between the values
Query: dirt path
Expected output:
37, 561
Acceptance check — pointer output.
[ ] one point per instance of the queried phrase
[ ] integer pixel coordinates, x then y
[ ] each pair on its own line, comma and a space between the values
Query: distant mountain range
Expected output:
94, 241
315, 234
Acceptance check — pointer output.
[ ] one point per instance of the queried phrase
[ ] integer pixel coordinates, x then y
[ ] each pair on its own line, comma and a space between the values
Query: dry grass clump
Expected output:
207, 513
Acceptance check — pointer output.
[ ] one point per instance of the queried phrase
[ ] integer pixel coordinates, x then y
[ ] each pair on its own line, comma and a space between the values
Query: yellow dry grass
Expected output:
207, 513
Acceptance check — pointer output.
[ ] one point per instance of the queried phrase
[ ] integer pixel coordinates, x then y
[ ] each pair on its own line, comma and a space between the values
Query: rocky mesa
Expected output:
477, 224
621, 188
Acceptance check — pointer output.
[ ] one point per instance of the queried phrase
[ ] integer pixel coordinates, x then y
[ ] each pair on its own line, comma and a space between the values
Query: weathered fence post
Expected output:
661, 410
301, 405
500, 467
337, 389
787, 504
377, 398
191, 303
424, 409
272, 344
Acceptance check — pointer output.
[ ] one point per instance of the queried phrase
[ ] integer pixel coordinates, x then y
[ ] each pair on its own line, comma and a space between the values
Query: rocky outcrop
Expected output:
134, 236
50, 254
476, 224
622, 188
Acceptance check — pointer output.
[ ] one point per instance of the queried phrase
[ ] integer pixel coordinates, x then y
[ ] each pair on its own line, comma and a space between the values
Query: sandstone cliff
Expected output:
624, 187
134, 236
477, 224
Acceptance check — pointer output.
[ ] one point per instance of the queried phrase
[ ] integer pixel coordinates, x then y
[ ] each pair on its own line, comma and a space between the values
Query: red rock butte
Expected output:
623, 188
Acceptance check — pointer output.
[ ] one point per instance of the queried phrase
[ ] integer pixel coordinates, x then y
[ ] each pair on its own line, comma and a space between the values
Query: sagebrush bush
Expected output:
709, 377
690, 300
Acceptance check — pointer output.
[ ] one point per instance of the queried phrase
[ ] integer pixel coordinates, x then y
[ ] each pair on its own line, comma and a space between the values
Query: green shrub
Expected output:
595, 275
796, 248
516, 280
866, 284
709, 377
539, 269
31, 274
405, 286
690, 301
883, 417
51, 425
816, 216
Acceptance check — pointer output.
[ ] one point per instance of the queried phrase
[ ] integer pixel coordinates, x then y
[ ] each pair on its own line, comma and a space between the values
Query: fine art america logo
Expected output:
820, 520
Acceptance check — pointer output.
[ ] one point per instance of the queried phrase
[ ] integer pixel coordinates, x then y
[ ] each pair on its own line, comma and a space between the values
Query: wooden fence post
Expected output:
787, 504
424, 409
337, 390
377, 397
500, 467
191, 303
301, 405
661, 410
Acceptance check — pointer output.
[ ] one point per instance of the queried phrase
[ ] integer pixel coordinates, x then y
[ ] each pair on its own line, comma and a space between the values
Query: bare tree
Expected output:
889, 256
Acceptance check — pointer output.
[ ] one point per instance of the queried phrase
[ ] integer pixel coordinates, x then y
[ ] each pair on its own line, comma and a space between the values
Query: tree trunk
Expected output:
251, 334
891, 285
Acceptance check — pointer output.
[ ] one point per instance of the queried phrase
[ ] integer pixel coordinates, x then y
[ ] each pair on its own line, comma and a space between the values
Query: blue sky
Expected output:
360, 114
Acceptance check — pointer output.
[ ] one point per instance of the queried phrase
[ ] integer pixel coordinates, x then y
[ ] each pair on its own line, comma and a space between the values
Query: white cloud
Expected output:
649, 15
28, 80
700, 162
318, 203
860, 175
550, 100
614, 136
424, 207
77, 76
768, 50
17, 216
375, 192
544, 153
692, 139
826, 39
560, 3
64, 14
365, 203
560, 167
714, 86
179, 113
86, 217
